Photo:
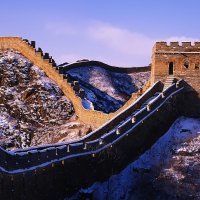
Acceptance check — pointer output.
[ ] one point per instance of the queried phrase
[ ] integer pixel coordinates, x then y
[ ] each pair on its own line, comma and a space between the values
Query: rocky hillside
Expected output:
170, 169
108, 90
33, 110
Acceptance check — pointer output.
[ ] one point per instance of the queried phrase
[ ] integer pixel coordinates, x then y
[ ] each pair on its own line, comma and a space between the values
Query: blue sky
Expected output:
118, 32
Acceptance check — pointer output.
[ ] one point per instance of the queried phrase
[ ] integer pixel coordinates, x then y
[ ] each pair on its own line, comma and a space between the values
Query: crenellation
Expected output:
39, 50
174, 44
186, 44
197, 44
62, 166
52, 168
65, 76
180, 61
33, 44
176, 47
95, 118
38, 53
76, 85
50, 59
161, 45
81, 93
61, 71
46, 56
25, 40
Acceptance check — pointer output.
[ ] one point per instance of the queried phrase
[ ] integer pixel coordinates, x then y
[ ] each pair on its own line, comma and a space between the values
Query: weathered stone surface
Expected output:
184, 60
179, 55
32, 107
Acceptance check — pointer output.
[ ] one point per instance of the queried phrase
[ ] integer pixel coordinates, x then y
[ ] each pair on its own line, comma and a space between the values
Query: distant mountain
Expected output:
106, 89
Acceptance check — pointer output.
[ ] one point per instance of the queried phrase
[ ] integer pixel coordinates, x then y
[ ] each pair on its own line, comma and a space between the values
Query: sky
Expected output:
117, 32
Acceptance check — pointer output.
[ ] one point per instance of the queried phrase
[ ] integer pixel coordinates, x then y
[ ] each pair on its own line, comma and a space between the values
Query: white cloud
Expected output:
107, 43
121, 40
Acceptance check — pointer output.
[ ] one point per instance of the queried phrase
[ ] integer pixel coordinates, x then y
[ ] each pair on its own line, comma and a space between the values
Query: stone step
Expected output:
169, 81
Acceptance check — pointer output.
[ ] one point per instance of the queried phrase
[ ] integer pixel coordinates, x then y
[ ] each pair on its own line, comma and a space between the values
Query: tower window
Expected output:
186, 65
196, 66
171, 68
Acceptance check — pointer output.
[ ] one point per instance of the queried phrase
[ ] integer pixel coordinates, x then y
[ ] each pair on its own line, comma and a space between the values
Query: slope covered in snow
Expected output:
170, 169
108, 90
33, 110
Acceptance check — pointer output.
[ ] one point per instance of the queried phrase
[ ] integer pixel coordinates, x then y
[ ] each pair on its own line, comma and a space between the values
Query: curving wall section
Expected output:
57, 171
111, 124
46, 63
67, 67
53, 171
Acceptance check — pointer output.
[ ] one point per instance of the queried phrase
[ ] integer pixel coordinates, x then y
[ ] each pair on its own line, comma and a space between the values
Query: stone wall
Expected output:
62, 173
105, 66
186, 65
178, 55
59, 177
92, 117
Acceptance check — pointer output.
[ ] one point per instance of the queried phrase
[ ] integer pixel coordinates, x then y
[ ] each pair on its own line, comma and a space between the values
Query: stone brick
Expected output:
177, 54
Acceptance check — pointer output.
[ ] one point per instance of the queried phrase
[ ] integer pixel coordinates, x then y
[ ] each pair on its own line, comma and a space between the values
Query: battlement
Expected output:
178, 60
67, 85
48, 172
177, 46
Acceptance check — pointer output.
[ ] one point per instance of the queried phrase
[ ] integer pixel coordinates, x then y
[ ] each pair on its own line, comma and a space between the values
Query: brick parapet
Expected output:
178, 54
176, 46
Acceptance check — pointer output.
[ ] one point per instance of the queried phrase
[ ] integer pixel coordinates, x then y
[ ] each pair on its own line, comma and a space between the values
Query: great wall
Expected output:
46, 63
60, 169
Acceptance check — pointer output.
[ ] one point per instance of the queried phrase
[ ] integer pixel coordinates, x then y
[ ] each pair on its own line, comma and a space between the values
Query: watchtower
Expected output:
178, 60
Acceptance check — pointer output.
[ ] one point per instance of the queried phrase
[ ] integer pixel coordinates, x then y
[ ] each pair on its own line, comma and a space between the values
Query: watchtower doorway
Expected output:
171, 68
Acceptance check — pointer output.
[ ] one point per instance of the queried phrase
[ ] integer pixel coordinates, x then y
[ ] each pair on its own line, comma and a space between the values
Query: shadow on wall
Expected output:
191, 103
107, 90
127, 88
102, 78
120, 82
101, 100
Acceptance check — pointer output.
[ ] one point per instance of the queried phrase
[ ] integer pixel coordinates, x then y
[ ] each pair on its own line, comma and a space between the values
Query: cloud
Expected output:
107, 43
121, 40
